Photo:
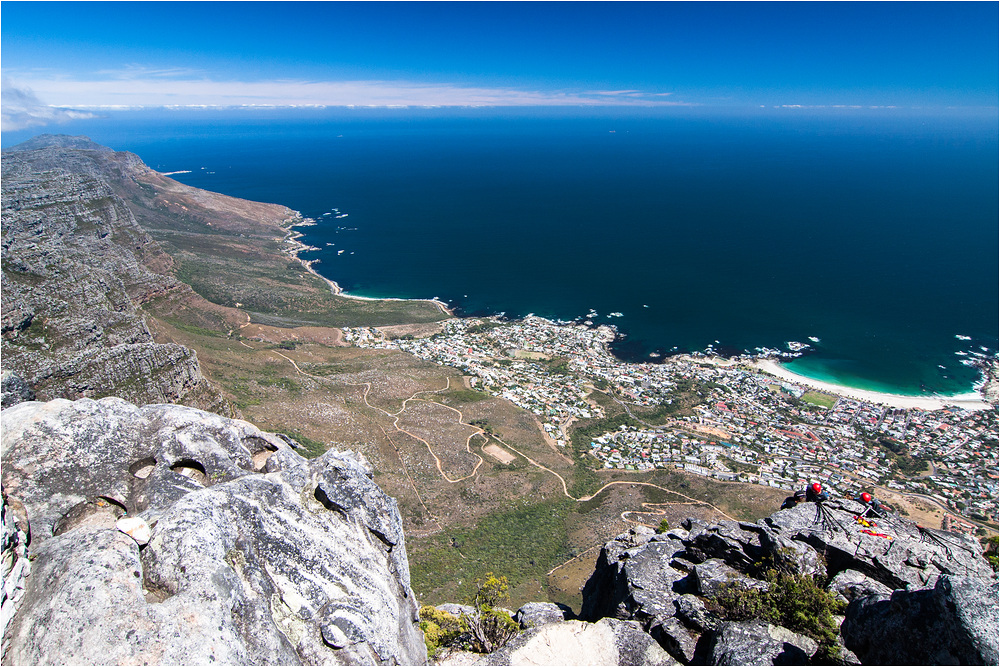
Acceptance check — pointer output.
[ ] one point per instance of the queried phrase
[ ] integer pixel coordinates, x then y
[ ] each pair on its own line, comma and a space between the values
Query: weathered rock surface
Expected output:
14, 389
914, 557
851, 584
607, 642
760, 643
76, 267
257, 556
954, 623
16, 565
668, 583
537, 614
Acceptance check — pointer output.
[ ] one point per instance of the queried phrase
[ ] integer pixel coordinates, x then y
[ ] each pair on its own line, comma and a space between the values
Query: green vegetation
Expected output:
737, 466
310, 448
490, 628
792, 600
483, 327
464, 396
440, 629
526, 541
484, 630
282, 383
818, 398
898, 456
663, 527
990, 552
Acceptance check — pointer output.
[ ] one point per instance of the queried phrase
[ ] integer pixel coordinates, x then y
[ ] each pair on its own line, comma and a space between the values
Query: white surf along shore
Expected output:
969, 401
296, 246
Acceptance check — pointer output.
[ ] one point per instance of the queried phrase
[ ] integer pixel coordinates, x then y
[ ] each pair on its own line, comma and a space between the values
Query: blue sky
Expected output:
81, 54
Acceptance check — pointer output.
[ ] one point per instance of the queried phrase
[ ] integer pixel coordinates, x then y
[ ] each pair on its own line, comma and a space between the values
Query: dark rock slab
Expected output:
954, 623
760, 643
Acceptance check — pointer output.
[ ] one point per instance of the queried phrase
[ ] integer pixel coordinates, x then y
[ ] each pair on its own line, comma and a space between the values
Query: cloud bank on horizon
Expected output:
135, 88
20, 109
62, 58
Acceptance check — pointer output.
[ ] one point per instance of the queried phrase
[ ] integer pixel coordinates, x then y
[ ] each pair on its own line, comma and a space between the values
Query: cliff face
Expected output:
251, 554
75, 269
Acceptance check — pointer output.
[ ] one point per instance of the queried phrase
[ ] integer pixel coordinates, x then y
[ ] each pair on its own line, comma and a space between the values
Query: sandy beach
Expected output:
970, 401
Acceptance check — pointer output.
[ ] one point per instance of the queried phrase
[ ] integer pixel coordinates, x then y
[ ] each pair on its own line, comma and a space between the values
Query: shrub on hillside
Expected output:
484, 630
489, 626
440, 628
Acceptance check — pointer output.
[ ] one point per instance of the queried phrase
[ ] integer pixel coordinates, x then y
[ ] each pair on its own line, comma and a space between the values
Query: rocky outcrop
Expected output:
760, 643
670, 582
255, 555
16, 565
75, 270
537, 614
607, 642
954, 623
14, 389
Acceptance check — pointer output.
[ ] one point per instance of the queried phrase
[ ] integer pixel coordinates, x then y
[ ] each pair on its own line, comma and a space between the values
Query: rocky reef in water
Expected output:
164, 534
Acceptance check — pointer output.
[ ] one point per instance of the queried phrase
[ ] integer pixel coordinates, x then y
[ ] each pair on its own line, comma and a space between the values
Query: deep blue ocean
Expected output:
874, 231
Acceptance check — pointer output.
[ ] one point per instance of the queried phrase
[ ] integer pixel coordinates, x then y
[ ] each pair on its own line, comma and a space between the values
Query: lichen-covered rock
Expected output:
671, 583
850, 585
536, 614
16, 565
760, 643
607, 642
14, 390
910, 556
714, 576
257, 556
634, 578
954, 623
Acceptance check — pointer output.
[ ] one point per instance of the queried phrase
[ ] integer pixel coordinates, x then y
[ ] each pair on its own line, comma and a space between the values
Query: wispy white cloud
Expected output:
139, 87
135, 71
20, 109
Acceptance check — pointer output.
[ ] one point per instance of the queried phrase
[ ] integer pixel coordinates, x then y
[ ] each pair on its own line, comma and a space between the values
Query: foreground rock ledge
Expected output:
257, 556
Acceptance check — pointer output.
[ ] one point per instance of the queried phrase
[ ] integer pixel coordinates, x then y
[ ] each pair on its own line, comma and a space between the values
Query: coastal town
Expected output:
745, 425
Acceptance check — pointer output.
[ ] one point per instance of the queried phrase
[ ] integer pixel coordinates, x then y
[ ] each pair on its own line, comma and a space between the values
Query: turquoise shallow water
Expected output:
875, 232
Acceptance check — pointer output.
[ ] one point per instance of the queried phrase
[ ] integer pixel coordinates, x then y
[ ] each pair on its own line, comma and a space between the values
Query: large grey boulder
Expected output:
257, 556
910, 556
536, 614
14, 390
850, 585
954, 623
760, 643
634, 578
713, 577
607, 642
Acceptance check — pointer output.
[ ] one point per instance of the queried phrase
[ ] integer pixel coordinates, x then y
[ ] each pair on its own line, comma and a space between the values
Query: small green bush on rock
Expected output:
792, 600
440, 628
484, 630
490, 627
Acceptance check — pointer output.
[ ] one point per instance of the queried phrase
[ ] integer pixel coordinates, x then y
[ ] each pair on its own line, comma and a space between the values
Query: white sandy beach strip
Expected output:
970, 401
